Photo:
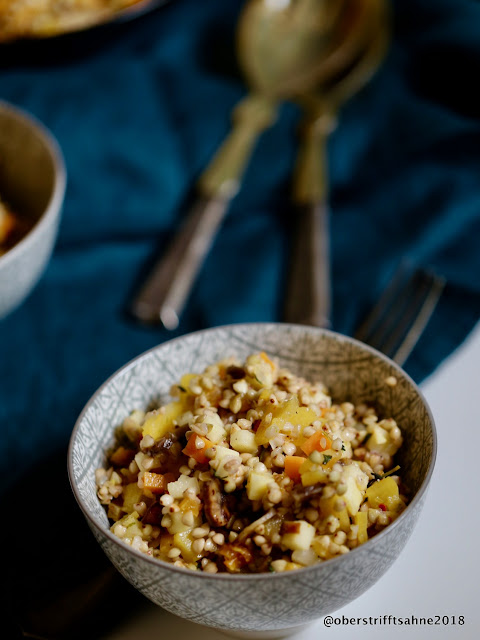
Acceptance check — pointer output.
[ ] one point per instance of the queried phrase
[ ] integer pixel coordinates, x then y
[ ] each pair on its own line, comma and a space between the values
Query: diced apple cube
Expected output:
346, 452
216, 430
356, 481
132, 426
178, 526
257, 484
380, 441
177, 489
327, 508
184, 541
321, 546
298, 535
223, 455
131, 495
261, 368
244, 441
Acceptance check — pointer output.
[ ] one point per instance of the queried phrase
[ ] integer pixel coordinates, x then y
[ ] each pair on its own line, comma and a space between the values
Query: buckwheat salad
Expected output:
249, 469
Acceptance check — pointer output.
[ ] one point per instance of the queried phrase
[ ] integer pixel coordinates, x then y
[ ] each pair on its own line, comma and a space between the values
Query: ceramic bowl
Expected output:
32, 180
260, 605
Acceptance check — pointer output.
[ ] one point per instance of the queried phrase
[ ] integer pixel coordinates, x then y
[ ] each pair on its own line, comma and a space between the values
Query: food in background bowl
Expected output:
12, 228
32, 186
251, 468
260, 604
45, 18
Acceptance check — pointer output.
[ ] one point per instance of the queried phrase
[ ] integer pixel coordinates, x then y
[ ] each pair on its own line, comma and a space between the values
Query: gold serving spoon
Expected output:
308, 299
284, 48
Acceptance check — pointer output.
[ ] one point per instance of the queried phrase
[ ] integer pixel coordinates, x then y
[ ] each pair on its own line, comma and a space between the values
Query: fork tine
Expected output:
388, 297
435, 290
400, 317
397, 321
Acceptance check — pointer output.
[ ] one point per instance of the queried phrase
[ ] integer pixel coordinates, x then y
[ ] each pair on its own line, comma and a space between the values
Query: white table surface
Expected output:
438, 572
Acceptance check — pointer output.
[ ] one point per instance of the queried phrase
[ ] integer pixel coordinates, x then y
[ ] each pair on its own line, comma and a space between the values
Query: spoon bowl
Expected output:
278, 39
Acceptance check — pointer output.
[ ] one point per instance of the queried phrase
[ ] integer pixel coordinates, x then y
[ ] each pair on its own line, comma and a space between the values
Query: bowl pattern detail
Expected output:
264, 601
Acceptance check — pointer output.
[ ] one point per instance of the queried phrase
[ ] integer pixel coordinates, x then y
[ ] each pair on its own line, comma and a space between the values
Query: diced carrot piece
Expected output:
318, 442
292, 467
197, 452
154, 482
122, 457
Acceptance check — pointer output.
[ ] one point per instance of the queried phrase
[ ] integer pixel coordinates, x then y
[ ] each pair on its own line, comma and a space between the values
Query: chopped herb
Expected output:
366, 439
391, 471
182, 389
343, 447
326, 459
375, 478
271, 569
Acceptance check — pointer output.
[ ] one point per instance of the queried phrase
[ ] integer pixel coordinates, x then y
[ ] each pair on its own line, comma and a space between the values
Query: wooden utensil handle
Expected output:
308, 298
166, 290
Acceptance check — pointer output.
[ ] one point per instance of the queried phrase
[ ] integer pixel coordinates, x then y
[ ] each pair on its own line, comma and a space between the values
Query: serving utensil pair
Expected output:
318, 52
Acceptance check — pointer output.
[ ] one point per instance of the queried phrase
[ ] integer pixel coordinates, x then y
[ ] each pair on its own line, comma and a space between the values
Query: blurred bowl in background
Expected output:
263, 605
32, 182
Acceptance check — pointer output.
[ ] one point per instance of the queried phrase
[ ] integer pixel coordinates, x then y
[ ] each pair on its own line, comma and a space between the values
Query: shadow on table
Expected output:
60, 584
154, 623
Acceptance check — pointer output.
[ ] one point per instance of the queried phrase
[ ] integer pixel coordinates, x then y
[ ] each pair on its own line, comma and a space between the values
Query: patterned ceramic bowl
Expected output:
32, 181
261, 605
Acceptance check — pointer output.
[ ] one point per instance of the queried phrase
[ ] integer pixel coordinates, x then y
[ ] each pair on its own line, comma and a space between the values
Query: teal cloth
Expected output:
139, 109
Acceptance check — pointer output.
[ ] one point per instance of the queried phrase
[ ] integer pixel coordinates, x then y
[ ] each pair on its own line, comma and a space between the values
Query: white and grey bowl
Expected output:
261, 605
32, 180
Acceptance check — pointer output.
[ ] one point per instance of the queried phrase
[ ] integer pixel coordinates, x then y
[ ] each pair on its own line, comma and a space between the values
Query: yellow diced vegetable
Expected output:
289, 411
312, 473
131, 495
184, 541
158, 424
356, 481
361, 520
327, 508
384, 492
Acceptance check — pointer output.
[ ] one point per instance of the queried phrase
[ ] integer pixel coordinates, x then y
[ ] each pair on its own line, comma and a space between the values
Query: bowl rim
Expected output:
253, 576
54, 205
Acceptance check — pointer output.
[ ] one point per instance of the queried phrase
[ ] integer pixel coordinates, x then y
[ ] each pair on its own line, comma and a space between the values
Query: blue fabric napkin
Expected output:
140, 108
